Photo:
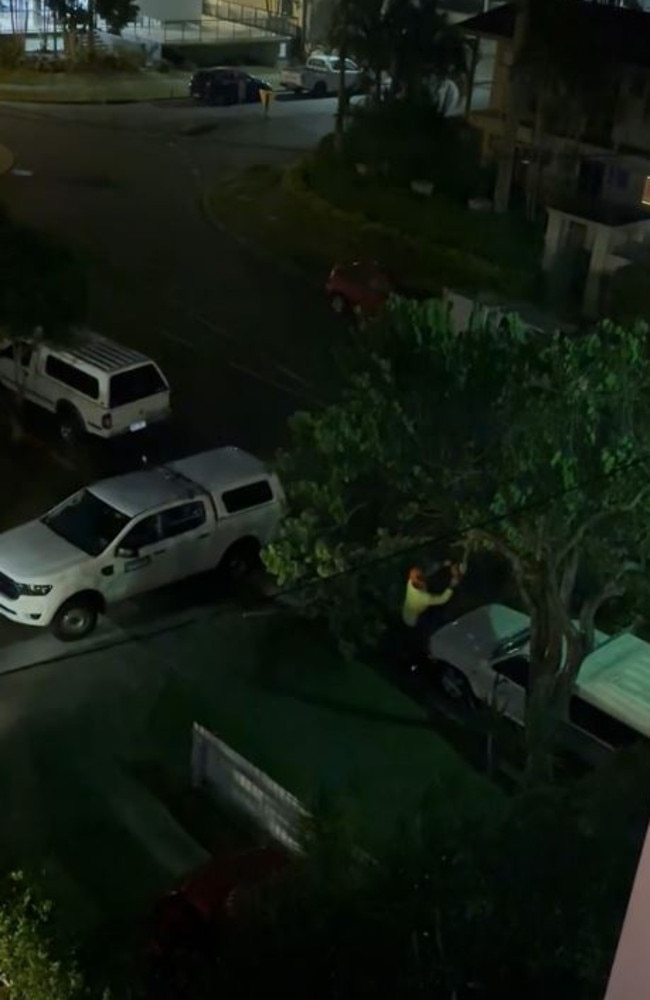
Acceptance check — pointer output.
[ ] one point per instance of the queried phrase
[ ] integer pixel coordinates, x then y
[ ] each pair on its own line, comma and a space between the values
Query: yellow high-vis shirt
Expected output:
416, 601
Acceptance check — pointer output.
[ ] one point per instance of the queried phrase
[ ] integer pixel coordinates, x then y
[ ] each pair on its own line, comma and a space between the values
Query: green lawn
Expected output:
431, 245
83, 88
280, 695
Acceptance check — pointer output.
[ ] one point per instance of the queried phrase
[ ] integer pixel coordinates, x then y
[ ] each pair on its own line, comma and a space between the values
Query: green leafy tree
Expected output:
30, 967
411, 40
535, 450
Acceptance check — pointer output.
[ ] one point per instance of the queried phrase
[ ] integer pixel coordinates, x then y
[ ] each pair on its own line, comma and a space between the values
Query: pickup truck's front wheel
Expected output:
319, 89
76, 619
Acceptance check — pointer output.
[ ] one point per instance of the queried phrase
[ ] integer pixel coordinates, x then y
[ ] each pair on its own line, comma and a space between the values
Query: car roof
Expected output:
137, 492
210, 471
93, 352
220, 468
477, 636
615, 677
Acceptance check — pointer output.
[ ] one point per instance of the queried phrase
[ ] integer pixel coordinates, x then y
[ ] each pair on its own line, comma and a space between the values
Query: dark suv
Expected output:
226, 85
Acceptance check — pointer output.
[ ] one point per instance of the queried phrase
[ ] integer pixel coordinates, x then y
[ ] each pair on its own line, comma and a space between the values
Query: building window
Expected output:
646, 192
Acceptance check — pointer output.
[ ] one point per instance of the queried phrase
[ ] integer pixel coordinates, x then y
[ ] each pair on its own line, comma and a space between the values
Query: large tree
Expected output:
534, 448
410, 40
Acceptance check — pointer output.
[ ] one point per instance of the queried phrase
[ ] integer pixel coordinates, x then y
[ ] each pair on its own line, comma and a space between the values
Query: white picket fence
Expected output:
239, 784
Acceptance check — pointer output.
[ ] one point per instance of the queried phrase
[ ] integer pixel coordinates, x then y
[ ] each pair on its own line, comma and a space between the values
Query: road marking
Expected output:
20, 172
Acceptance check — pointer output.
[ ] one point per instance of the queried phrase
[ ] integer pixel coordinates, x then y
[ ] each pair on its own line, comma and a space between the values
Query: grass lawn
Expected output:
83, 88
419, 241
280, 695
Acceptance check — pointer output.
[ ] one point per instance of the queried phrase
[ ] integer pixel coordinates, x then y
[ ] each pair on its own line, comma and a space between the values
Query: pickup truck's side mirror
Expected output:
122, 552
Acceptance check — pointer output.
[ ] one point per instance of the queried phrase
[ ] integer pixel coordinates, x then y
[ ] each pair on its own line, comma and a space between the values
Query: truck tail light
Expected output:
107, 421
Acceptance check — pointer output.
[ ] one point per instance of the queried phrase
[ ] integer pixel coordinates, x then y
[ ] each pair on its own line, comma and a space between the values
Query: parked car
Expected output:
94, 386
484, 657
226, 85
133, 533
189, 917
362, 288
321, 76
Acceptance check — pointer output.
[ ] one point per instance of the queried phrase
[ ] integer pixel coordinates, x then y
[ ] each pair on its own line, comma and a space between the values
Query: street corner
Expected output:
7, 159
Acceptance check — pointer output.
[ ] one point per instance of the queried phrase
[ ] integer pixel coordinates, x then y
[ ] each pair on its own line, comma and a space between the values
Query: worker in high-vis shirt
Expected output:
419, 608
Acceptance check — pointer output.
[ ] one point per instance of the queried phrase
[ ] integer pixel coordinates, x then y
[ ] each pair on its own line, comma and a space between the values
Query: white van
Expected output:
93, 385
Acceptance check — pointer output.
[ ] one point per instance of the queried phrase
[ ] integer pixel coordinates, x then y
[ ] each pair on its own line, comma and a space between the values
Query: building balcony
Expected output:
592, 208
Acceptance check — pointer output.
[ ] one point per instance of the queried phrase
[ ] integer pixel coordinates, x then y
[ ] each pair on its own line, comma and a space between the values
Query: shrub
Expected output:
12, 51
415, 142
28, 966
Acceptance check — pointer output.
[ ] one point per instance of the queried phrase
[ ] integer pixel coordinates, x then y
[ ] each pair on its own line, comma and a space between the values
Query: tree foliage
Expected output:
473, 899
409, 40
536, 450
29, 965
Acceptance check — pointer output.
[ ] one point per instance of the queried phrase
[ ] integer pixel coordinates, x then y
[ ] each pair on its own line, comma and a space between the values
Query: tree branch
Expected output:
591, 523
477, 538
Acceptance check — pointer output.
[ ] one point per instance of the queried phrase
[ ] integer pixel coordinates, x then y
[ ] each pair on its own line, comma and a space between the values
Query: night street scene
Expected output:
325, 520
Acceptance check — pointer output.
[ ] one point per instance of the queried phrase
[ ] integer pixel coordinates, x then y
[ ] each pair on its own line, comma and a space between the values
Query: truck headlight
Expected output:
33, 589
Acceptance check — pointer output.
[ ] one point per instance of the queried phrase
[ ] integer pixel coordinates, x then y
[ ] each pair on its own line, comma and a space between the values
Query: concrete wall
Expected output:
229, 53
171, 10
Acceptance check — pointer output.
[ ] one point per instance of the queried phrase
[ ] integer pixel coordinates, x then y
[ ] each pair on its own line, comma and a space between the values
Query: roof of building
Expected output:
99, 353
623, 32
210, 471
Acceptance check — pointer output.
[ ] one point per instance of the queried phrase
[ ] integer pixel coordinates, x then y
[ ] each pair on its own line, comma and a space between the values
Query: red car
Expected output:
360, 288
187, 918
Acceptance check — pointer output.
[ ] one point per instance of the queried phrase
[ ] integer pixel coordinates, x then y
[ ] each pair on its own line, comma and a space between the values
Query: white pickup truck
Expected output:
320, 76
132, 533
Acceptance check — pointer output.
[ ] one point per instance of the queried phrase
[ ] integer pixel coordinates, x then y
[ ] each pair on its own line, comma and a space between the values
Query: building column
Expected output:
599, 254
552, 238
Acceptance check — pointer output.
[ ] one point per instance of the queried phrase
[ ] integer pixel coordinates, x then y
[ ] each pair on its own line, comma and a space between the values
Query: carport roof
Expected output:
623, 32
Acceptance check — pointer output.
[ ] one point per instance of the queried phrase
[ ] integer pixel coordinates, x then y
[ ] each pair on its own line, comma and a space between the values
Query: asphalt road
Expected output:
123, 184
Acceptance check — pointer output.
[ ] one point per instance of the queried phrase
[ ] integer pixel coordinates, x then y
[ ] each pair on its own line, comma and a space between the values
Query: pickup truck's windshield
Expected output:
86, 522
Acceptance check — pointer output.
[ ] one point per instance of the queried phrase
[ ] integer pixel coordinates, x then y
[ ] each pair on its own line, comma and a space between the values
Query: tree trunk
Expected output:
503, 186
92, 20
342, 103
471, 76
547, 699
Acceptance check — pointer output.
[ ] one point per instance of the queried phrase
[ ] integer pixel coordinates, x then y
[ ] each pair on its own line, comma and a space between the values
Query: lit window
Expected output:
646, 192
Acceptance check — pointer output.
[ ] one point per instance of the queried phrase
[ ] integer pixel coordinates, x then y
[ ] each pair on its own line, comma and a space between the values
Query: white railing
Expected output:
239, 784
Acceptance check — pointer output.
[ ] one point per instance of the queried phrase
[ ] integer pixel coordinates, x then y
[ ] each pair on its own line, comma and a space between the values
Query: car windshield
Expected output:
86, 522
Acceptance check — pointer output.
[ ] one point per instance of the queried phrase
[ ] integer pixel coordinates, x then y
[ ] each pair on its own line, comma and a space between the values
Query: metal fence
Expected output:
241, 785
